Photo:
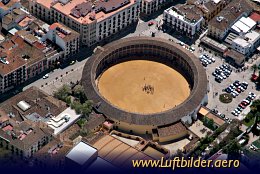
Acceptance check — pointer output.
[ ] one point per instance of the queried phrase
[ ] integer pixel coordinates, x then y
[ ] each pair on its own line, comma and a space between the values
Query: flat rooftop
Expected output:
59, 123
81, 153
244, 25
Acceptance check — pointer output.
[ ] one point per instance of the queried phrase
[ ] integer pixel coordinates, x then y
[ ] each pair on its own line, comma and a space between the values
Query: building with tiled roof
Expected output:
235, 58
39, 102
256, 17
94, 20
34, 48
52, 155
23, 57
211, 8
219, 26
186, 19
23, 138
6, 6
172, 132
94, 123
9, 21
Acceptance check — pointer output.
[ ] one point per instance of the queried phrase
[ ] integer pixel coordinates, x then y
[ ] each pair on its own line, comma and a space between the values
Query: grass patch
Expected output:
249, 119
249, 123
225, 98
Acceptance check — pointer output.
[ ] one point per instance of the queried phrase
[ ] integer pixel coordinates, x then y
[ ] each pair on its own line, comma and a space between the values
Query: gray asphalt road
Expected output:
58, 77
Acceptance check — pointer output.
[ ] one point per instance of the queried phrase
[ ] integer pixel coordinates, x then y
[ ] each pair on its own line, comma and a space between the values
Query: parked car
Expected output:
150, 23
234, 95
237, 111
252, 94
229, 121
192, 48
240, 109
214, 111
45, 76
242, 106
234, 113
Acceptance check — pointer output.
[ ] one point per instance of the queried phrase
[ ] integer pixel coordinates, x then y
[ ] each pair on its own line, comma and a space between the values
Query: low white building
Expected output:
246, 44
243, 25
63, 121
186, 19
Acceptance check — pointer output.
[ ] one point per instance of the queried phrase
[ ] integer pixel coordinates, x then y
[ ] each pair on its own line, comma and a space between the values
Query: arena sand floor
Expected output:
142, 86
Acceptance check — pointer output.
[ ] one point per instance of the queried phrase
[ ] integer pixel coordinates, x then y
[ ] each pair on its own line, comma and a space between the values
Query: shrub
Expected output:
225, 98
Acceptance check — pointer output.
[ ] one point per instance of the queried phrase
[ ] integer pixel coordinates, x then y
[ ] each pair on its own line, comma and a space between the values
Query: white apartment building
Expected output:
65, 38
6, 6
151, 6
186, 19
94, 20
247, 44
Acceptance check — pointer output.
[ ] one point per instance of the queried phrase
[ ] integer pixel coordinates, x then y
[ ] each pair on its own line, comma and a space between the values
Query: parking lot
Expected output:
216, 89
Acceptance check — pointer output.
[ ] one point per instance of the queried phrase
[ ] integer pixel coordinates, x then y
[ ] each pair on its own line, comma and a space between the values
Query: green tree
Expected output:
250, 115
76, 106
211, 123
257, 114
215, 148
233, 150
86, 108
68, 100
62, 93
255, 106
78, 92
81, 122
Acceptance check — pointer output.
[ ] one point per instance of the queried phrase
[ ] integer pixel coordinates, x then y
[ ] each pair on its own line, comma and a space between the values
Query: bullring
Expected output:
151, 49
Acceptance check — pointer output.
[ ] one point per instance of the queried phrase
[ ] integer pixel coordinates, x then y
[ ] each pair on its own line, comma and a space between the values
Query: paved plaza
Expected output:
199, 129
174, 146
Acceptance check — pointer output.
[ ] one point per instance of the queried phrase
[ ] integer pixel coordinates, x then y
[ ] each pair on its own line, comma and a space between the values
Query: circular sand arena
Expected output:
143, 86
